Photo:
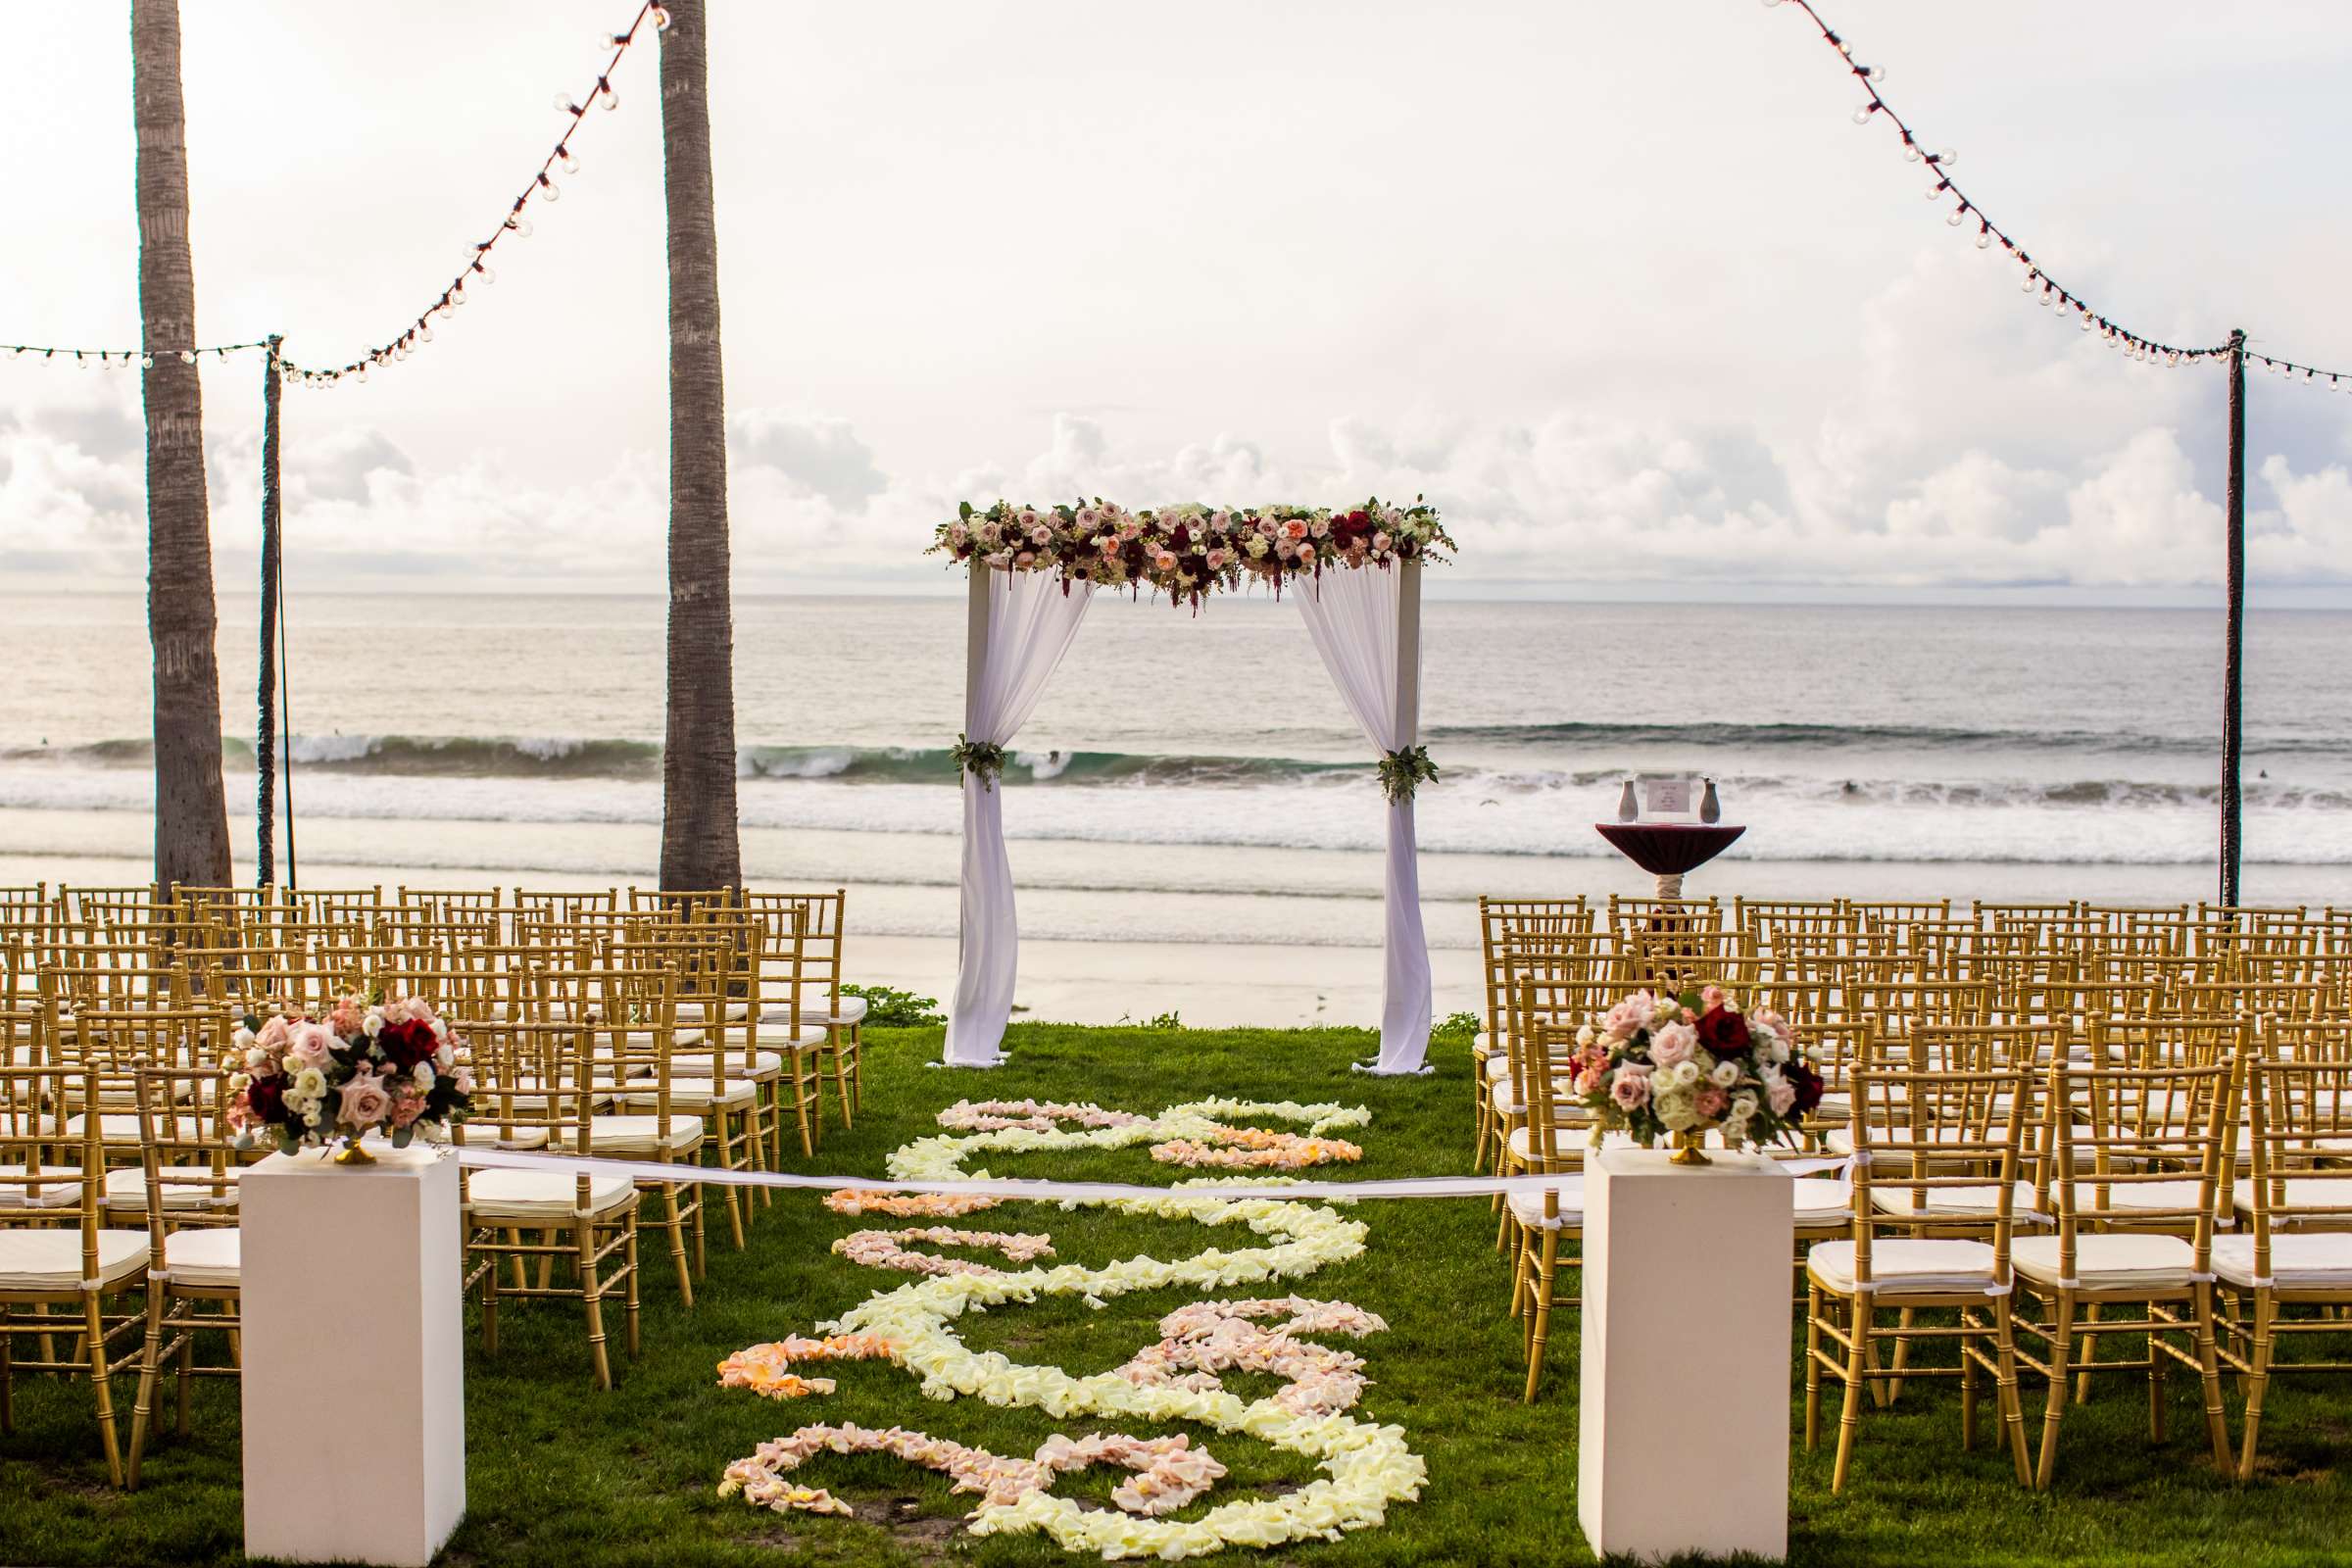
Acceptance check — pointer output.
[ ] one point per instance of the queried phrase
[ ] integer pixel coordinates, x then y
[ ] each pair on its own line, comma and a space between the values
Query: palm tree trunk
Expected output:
698, 844
191, 813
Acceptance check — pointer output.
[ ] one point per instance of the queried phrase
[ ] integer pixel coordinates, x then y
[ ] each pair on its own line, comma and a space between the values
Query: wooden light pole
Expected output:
2232, 679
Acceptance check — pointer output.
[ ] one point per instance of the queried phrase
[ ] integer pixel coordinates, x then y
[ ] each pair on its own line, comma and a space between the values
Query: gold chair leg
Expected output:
2258, 1382
1857, 1363
1812, 1367
2062, 1339
629, 1301
583, 1235
2090, 1352
2209, 1373
676, 1226
2009, 1397
94, 1337
142, 1406
1542, 1311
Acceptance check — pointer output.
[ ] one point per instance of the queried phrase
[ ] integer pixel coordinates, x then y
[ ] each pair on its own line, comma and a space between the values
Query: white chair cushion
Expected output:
202, 1260
2125, 1197
114, 1127
2108, 1262
127, 1189
1841, 1140
1528, 1207
1498, 1065
765, 1065
537, 1196
62, 1189
692, 1011
2300, 1261
637, 1135
699, 1093
1823, 1203
1905, 1268
777, 1028
487, 1132
1967, 1203
51, 1260
2302, 1192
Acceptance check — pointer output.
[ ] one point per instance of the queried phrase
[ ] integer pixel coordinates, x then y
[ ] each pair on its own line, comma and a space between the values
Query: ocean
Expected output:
1195, 779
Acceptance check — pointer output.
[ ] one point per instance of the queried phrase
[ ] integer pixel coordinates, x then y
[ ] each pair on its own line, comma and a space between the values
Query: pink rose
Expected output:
345, 1018
1024, 558
363, 1103
1109, 544
1710, 998
1088, 516
1780, 1094
1710, 1102
1307, 549
308, 1045
1380, 542
1322, 529
1266, 527
1218, 558
274, 1034
1673, 1044
1130, 531
407, 1106
1630, 1089
1041, 535
1165, 560
1629, 1015
1296, 528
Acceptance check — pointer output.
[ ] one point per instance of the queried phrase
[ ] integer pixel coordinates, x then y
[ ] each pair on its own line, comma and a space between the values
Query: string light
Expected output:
85, 358
475, 266
1987, 233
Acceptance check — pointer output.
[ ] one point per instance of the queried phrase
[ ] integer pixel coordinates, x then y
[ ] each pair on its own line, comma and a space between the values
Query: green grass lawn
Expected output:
561, 1474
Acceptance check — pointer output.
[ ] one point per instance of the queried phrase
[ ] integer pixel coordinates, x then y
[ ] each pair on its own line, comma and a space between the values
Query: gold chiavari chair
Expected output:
564, 906
630, 1020
1567, 922
713, 964
117, 1043
825, 925
2134, 1160
2295, 1250
450, 905
1557, 980
54, 1251
187, 1203
782, 1056
1542, 1221
1886, 918
337, 905
1901, 1134
537, 1083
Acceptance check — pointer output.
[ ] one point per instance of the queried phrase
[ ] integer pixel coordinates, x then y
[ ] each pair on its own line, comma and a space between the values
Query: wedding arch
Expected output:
1356, 575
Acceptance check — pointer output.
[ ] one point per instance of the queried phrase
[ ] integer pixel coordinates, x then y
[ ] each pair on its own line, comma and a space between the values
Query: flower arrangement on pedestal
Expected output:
1189, 551
1679, 1068
298, 1081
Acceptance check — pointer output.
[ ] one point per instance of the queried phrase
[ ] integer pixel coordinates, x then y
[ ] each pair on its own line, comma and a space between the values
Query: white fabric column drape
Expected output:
1028, 626
1370, 638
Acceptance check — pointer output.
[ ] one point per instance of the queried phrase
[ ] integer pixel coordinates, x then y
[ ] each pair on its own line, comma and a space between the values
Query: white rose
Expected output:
374, 1024
1726, 1074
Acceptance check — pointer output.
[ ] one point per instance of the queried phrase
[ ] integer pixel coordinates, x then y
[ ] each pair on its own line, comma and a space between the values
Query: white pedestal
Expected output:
353, 1369
1682, 1425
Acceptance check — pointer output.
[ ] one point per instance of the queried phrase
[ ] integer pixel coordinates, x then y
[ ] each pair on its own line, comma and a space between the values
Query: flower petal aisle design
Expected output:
1367, 1466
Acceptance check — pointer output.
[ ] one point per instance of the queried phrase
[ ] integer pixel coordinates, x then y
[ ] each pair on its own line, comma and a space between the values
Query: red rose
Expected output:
404, 1045
1805, 1081
1723, 1032
266, 1097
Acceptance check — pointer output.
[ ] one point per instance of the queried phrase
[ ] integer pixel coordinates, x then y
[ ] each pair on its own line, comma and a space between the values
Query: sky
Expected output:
1623, 290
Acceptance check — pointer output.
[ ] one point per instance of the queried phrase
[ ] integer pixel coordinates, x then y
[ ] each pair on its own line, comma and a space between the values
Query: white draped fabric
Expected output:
1359, 618
1020, 631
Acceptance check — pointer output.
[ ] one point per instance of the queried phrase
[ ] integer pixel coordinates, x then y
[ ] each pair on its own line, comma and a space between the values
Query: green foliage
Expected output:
887, 1007
1456, 1029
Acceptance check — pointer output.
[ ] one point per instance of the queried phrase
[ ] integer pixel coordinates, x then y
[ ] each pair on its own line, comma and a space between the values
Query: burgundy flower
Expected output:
404, 1045
1805, 1081
266, 1098
1723, 1032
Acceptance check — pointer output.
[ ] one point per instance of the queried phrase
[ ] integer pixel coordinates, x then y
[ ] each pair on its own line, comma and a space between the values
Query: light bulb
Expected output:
564, 101
571, 164
1949, 156
188, 356
424, 332
548, 189
1863, 114
2087, 322
1958, 216
662, 16
146, 362
1983, 240
489, 274
611, 99
2027, 287
1911, 152
521, 228
1873, 73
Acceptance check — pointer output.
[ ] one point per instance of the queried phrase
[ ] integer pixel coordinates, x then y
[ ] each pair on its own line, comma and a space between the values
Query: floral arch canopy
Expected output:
1033, 571
1190, 551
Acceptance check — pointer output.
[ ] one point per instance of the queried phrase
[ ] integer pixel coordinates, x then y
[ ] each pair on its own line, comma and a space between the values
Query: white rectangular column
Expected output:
353, 1358
1682, 1420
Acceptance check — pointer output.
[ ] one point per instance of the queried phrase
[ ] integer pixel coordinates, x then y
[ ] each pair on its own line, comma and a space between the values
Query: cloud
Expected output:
822, 456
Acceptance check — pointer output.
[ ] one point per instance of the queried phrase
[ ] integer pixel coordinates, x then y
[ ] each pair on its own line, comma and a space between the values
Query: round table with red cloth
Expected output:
1667, 849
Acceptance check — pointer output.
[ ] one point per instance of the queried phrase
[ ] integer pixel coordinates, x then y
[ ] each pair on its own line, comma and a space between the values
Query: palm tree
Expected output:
699, 848
191, 815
